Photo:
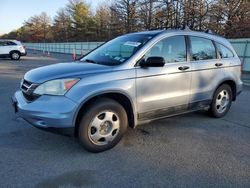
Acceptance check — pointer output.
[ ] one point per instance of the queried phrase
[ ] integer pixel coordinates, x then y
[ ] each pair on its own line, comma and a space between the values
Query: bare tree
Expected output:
61, 26
102, 18
76, 22
39, 27
127, 10
147, 10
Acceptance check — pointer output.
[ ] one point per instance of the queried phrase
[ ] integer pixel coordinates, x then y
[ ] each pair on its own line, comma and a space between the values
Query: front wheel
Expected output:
222, 101
102, 125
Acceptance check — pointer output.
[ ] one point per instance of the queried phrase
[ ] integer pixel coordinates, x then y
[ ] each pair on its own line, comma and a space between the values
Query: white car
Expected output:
12, 48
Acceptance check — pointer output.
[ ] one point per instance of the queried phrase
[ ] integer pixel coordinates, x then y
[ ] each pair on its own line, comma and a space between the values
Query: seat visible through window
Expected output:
172, 49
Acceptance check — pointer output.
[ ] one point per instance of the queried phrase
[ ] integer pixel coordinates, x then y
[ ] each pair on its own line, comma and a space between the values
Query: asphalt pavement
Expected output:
246, 78
192, 150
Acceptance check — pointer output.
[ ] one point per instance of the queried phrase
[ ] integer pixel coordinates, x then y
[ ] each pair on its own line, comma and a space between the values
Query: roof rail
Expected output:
209, 31
186, 28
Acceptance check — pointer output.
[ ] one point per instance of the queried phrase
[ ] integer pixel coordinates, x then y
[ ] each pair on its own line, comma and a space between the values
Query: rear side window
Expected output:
9, 43
172, 49
202, 49
224, 51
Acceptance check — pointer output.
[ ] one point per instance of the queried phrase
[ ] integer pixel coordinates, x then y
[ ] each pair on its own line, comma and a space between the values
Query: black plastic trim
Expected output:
172, 111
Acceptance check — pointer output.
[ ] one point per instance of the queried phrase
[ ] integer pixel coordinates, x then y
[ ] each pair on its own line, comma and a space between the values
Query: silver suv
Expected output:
130, 80
12, 48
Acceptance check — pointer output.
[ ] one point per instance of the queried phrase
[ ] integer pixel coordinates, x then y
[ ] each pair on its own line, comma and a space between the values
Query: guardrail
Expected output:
242, 47
70, 47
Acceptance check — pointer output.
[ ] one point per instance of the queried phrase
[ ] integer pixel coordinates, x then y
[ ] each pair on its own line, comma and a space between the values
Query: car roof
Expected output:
150, 32
160, 31
186, 31
163, 31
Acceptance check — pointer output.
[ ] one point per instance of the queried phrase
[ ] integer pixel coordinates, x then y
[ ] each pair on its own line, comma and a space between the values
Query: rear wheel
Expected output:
15, 55
103, 125
222, 101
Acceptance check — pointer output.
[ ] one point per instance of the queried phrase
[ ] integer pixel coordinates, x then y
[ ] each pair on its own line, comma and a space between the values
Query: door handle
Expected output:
183, 68
218, 64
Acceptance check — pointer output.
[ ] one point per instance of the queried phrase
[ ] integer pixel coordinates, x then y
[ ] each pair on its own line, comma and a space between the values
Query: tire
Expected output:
221, 102
102, 125
15, 55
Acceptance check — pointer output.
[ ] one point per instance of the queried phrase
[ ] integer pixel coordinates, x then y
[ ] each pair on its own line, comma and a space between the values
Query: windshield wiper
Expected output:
90, 61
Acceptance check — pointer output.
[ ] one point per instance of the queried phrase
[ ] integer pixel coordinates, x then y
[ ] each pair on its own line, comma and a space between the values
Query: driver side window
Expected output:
172, 49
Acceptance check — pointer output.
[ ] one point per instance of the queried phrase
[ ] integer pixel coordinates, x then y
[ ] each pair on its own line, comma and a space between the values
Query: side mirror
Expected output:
79, 58
153, 62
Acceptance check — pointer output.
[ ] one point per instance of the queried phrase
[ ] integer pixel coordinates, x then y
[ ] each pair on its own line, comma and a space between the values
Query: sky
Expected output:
13, 13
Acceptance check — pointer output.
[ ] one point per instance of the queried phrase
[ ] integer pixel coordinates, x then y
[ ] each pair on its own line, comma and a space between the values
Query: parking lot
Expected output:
192, 150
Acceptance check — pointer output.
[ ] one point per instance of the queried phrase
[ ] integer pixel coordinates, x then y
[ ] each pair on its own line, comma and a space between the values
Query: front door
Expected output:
163, 91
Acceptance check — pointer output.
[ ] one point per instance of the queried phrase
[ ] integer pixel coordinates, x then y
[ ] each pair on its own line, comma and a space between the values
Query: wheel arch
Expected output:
232, 84
118, 96
12, 51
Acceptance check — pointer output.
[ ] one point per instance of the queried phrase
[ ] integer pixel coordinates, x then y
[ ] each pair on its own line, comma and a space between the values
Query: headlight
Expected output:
56, 87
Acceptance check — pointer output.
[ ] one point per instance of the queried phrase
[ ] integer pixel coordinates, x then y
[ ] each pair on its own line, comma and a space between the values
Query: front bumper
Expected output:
48, 112
239, 88
24, 53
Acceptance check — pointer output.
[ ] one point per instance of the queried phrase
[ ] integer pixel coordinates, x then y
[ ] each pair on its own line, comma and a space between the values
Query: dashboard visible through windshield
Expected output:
118, 50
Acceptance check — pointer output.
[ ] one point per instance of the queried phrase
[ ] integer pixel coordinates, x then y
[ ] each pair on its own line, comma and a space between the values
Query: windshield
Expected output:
118, 50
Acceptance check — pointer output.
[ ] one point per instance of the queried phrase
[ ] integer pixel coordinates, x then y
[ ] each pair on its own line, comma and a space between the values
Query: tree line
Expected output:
76, 21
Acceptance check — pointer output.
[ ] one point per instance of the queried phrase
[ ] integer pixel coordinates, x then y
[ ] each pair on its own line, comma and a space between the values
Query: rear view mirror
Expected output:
153, 62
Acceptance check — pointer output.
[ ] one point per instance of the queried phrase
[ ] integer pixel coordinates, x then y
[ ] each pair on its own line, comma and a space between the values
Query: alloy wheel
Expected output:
15, 55
222, 101
104, 128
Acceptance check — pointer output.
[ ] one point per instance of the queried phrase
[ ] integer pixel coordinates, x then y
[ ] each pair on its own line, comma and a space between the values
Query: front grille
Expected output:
25, 85
28, 88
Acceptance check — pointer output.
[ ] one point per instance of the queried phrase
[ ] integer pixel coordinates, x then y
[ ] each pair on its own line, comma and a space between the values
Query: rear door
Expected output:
207, 70
10, 46
164, 90
226, 55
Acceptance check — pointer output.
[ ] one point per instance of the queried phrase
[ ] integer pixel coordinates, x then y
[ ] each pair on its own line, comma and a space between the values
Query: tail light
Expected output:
241, 65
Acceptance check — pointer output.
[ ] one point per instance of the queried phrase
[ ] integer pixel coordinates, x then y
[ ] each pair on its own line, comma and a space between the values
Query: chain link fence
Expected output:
242, 47
79, 48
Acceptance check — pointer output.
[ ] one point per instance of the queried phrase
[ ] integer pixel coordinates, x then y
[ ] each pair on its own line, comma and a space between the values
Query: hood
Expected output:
64, 70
